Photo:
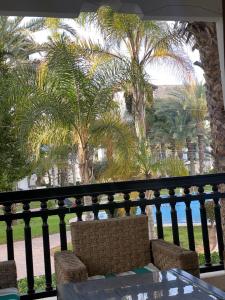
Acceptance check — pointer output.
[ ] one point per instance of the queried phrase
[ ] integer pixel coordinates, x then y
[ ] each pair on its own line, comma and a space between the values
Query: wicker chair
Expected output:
118, 245
8, 277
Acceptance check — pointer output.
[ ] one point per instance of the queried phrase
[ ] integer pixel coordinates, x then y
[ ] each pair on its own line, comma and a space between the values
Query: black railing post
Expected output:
79, 208
219, 230
46, 247
159, 222
204, 223
142, 202
127, 203
95, 206
28, 248
175, 228
9, 232
111, 205
62, 225
190, 228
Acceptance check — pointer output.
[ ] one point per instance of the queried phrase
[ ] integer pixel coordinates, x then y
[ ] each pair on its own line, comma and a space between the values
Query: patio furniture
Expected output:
8, 280
169, 284
116, 245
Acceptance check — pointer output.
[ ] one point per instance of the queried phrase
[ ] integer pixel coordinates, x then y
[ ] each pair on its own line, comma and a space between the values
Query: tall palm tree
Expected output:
63, 103
203, 37
136, 44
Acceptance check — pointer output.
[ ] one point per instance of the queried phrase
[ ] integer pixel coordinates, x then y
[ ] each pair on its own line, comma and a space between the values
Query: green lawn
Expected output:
168, 235
36, 226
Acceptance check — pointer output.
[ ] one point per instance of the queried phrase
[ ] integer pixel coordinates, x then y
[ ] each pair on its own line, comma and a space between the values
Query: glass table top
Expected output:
172, 284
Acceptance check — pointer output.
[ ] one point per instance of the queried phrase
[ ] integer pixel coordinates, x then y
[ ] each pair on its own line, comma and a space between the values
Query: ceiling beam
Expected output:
161, 9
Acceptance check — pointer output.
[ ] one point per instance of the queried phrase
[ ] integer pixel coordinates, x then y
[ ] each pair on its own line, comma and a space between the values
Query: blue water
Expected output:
181, 215
166, 216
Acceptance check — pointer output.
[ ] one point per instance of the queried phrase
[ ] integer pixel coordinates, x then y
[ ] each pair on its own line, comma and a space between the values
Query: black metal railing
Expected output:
163, 192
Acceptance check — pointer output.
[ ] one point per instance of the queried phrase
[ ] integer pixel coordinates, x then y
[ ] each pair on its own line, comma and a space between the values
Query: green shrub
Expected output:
39, 284
215, 259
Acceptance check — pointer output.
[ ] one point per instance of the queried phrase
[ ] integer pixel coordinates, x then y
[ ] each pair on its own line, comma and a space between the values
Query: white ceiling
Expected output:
160, 9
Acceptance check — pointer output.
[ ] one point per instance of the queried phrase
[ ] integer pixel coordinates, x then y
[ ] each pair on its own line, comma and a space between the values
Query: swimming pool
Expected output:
181, 214
166, 216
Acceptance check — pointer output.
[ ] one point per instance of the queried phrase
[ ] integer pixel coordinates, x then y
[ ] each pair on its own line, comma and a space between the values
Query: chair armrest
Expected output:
69, 268
8, 277
166, 255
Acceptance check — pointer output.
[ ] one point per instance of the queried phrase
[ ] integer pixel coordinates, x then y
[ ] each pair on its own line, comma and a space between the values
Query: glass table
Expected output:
172, 284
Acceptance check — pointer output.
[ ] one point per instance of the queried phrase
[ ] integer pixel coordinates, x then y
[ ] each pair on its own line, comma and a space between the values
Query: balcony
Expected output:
125, 202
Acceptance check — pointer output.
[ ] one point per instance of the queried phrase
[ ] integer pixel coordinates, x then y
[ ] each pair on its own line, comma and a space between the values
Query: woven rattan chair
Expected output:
8, 277
118, 245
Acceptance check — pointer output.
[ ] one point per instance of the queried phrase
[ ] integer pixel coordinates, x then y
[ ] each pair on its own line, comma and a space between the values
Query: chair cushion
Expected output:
112, 246
146, 269
9, 294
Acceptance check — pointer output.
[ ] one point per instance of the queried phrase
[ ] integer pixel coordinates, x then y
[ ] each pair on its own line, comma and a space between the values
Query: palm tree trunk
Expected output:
73, 167
173, 147
163, 150
63, 176
191, 156
140, 128
139, 113
84, 160
206, 42
180, 153
201, 153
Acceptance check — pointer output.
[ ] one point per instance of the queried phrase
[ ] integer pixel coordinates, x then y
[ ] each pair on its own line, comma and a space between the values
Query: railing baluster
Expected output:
219, 230
159, 222
79, 208
111, 205
62, 225
175, 229
205, 234
46, 246
95, 206
9, 232
127, 203
28, 248
142, 202
190, 228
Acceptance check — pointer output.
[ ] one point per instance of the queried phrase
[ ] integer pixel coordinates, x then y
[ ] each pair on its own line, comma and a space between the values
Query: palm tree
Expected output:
63, 103
193, 96
16, 41
171, 123
203, 37
136, 44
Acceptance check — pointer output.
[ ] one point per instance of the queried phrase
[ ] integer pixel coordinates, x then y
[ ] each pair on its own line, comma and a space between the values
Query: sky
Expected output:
159, 75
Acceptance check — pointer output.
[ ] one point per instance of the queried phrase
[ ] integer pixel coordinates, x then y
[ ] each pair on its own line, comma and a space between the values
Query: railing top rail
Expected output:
112, 187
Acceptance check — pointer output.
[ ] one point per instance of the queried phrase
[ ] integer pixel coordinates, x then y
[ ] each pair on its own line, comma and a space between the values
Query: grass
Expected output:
18, 229
168, 236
